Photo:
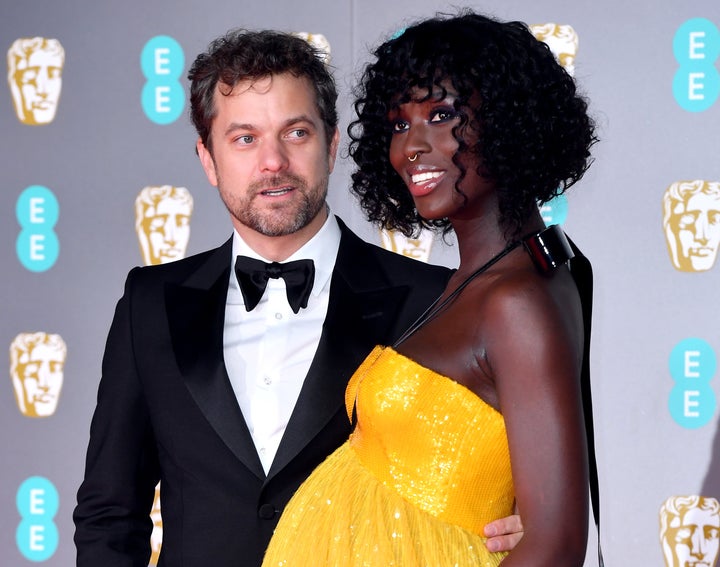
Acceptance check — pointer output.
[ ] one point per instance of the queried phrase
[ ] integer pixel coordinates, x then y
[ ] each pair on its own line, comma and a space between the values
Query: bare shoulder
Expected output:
529, 315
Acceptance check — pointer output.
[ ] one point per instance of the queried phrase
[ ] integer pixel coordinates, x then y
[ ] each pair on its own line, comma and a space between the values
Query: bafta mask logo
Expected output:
157, 533
691, 220
319, 43
689, 531
562, 40
162, 223
418, 248
35, 76
36, 371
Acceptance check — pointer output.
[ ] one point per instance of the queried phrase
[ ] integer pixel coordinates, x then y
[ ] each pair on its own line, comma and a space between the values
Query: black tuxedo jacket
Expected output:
166, 410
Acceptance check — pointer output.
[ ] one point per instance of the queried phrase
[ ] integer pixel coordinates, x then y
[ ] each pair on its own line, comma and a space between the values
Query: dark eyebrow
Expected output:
302, 118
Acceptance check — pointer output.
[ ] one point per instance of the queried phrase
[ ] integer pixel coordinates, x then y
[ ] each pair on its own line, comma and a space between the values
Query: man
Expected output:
35, 78
162, 223
691, 221
36, 369
690, 531
231, 396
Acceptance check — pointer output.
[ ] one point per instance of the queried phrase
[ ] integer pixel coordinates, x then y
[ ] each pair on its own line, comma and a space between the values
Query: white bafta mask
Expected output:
413, 247
562, 40
162, 223
37, 361
35, 68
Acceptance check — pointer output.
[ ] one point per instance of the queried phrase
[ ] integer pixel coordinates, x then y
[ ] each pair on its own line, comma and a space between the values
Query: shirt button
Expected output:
278, 316
266, 512
267, 380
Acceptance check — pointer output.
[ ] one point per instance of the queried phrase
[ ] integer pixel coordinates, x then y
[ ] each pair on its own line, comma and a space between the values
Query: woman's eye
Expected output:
443, 115
399, 126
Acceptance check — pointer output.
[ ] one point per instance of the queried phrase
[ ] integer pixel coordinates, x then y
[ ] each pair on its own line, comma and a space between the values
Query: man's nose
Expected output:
273, 155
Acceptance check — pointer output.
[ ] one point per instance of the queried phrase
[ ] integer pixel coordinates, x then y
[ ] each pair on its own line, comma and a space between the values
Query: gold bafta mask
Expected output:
36, 370
157, 533
319, 42
691, 221
35, 68
562, 40
162, 223
418, 248
690, 531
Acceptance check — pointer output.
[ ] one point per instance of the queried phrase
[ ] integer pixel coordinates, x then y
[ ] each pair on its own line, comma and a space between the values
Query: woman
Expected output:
478, 407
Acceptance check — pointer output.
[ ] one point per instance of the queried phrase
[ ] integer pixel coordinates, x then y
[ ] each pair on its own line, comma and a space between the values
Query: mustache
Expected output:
278, 181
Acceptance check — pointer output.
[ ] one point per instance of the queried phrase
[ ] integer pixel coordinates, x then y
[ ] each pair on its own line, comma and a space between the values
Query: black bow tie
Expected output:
253, 276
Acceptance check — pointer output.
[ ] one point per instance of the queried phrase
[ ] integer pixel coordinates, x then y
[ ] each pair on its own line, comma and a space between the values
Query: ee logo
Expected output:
555, 211
696, 46
692, 365
162, 61
37, 212
37, 502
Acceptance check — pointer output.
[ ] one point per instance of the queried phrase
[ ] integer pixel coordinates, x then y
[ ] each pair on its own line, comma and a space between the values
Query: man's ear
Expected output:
207, 161
332, 150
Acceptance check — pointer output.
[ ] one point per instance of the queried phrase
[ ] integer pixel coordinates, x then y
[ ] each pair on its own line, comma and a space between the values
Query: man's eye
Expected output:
299, 133
247, 139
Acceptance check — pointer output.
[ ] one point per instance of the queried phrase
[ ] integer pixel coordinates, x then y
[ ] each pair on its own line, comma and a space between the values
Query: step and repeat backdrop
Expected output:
99, 175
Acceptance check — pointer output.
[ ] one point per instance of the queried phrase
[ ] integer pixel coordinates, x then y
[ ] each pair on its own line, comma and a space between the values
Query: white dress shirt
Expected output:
268, 351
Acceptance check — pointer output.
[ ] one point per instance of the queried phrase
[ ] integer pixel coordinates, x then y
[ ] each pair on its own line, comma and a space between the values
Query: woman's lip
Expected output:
423, 179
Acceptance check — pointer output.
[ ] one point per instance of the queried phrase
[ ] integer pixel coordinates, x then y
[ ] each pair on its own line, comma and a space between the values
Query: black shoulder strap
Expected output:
582, 274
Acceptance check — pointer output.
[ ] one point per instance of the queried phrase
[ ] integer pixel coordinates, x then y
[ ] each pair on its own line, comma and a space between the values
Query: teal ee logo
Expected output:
555, 211
162, 61
37, 502
692, 365
37, 212
696, 46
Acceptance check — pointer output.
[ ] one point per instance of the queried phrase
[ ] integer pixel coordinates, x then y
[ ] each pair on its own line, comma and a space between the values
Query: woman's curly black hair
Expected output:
535, 132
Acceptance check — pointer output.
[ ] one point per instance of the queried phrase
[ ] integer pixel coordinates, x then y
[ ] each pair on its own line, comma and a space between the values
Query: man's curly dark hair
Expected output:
534, 130
242, 55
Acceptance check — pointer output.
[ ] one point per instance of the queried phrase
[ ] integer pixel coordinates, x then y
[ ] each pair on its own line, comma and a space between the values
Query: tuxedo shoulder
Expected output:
409, 266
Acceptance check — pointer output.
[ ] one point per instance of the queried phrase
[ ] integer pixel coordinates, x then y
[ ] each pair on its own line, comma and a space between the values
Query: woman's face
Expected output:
422, 148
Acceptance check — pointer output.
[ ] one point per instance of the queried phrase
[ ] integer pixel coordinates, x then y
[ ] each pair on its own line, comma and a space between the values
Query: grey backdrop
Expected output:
101, 150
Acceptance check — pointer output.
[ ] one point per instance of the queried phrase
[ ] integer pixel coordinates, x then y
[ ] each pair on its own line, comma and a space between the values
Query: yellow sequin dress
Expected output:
425, 469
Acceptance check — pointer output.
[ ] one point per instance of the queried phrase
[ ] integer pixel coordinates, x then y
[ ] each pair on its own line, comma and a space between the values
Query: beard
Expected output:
282, 218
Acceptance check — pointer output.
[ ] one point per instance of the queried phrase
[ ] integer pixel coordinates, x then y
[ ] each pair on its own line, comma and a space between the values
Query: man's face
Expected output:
696, 225
695, 541
168, 230
41, 376
39, 80
270, 159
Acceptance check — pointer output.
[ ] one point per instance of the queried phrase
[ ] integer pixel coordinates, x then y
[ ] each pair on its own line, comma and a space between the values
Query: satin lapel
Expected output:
196, 314
362, 310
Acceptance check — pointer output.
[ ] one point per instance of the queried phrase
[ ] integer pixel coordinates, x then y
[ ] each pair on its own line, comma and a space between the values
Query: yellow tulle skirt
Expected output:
344, 517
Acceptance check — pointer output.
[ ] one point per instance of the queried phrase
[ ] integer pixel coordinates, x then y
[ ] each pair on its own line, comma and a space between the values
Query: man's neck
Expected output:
280, 248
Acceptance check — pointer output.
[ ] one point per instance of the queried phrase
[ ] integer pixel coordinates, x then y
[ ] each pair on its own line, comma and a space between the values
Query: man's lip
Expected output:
276, 191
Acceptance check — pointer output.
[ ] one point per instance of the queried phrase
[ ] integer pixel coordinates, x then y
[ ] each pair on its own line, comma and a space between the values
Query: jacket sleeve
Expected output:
112, 516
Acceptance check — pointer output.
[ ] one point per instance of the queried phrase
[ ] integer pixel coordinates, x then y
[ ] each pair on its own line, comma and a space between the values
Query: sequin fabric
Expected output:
425, 469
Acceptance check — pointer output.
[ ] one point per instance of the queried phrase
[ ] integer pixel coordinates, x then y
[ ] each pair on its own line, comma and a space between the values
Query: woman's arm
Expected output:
532, 337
